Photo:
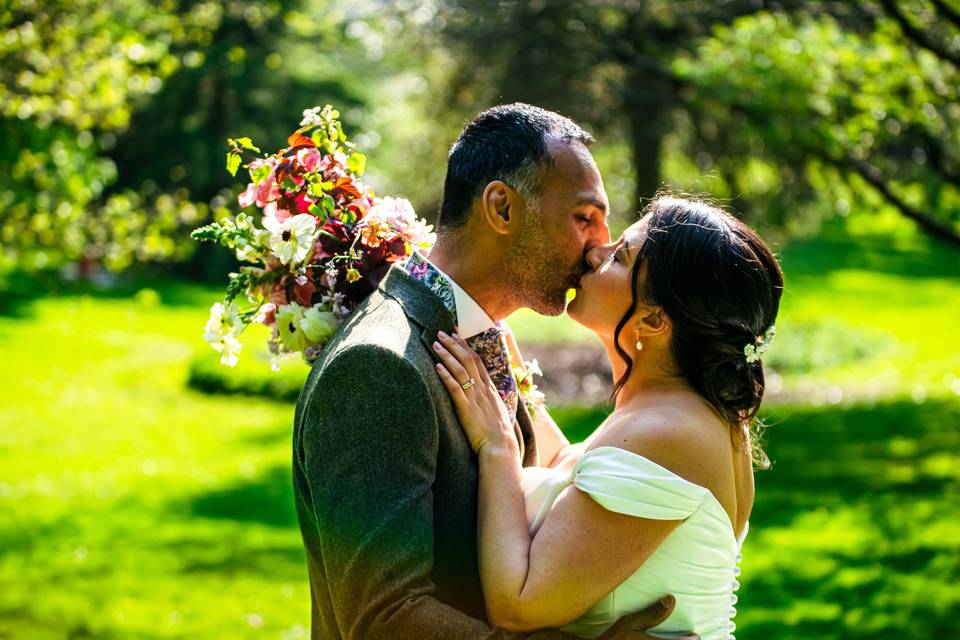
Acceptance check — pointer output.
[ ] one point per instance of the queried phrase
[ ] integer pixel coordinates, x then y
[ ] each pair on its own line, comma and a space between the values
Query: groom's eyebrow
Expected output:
594, 202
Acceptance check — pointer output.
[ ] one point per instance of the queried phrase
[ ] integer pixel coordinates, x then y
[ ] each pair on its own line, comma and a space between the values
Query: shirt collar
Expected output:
471, 318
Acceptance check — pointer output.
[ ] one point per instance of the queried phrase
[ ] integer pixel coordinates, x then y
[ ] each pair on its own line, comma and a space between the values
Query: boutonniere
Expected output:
526, 387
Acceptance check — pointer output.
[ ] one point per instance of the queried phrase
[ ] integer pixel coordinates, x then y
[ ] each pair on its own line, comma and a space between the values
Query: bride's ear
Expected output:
496, 206
652, 321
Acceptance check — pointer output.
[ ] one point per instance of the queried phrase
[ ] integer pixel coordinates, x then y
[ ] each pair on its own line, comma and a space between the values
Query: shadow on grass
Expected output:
897, 449
240, 557
834, 249
18, 291
266, 499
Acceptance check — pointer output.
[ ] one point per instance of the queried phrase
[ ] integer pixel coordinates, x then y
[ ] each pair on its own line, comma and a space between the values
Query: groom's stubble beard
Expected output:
535, 275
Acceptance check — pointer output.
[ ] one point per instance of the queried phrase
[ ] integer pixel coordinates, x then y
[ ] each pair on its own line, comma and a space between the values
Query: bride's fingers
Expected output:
457, 370
461, 351
454, 387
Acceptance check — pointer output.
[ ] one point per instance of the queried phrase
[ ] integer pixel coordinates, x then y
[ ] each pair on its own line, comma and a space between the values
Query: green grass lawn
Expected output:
131, 507
134, 507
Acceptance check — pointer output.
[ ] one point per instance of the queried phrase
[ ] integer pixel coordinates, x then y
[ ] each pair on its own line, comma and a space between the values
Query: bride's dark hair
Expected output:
720, 287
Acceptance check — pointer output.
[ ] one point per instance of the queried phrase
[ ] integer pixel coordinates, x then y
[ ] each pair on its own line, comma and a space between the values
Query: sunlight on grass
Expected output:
137, 507
115, 496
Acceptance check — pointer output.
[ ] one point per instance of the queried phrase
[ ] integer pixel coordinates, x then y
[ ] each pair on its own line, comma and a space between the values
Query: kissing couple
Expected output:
435, 501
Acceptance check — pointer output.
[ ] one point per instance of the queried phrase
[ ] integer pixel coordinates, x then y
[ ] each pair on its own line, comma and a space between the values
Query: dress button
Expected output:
733, 598
736, 571
736, 585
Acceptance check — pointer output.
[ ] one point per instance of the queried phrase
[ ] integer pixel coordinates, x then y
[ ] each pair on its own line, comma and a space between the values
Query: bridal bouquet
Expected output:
317, 243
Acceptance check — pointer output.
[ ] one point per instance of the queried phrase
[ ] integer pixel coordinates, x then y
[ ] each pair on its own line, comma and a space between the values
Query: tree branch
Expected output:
948, 12
939, 161
874, 177
918, 35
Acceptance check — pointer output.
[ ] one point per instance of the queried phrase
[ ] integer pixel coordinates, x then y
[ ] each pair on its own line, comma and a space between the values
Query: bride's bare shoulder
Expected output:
677, 432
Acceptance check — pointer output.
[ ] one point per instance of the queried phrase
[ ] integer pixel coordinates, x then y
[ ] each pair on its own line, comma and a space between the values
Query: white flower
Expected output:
318, 325
311, 117
221, 332
292, 239
756, 350
223, 319
250, 250
289, 317
229, 349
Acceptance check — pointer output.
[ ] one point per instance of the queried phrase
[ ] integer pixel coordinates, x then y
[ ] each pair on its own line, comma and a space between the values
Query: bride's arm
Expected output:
581, 553
553, 447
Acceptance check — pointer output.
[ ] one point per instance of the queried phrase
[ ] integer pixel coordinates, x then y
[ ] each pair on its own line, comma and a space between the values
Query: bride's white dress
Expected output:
697, 562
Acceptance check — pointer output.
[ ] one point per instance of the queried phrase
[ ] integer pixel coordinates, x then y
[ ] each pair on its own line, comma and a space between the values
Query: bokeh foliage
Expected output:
796, 110
113, 116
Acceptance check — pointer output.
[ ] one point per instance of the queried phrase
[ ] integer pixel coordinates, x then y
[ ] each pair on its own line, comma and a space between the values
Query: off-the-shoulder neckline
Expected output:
722, 513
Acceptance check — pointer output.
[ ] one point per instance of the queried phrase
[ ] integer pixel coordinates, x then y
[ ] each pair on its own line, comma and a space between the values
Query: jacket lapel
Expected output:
427, 311
419, 304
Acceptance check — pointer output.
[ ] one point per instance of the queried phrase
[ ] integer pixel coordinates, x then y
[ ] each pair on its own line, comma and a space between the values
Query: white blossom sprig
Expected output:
754, 351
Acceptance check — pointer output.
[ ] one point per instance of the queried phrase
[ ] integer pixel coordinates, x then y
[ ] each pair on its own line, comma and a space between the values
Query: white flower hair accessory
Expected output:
754, 351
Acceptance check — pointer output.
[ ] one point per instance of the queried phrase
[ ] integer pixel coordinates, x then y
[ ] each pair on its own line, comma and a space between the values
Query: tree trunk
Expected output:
646, 111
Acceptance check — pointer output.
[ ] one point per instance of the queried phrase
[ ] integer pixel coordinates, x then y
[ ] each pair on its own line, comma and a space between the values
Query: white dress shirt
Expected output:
471, 318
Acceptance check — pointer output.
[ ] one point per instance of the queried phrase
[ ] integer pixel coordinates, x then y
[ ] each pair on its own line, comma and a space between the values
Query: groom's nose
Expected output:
599, 234
595, 257
605, 232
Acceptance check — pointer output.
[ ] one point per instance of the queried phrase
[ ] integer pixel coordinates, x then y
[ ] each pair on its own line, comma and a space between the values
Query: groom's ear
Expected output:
495, 205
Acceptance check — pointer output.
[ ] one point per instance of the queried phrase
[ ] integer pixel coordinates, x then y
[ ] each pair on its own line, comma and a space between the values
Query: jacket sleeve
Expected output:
370, 440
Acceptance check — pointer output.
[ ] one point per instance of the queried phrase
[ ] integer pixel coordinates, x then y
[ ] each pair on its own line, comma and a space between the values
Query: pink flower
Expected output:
333, 166
266, 314
303, 203
268, 191
248, 197
308, 158
279, 295
271, 210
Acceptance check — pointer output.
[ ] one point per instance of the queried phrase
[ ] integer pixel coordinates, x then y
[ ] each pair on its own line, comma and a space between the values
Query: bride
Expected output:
656, 501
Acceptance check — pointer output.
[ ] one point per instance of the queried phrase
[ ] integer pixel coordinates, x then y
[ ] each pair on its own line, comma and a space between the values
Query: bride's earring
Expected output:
639, 344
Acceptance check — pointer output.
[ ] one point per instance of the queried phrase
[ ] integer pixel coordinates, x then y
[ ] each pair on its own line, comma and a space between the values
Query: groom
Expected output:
384, 478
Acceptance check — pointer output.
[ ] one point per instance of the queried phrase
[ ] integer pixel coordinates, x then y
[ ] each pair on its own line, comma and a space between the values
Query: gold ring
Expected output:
469, 383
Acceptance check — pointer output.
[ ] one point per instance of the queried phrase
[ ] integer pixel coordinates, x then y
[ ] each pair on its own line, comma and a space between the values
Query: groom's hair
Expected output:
507, 143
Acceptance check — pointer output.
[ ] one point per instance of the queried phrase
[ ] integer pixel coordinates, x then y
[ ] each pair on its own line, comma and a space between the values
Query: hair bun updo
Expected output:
720, 286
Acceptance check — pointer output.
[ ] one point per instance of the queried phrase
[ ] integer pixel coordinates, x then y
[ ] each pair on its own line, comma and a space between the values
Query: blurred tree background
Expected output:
831, 126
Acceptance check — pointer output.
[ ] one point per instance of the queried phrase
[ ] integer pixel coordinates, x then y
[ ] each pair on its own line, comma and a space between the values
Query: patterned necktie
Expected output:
491, 345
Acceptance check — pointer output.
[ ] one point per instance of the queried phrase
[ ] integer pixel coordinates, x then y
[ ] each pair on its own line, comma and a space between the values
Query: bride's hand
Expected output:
482, 413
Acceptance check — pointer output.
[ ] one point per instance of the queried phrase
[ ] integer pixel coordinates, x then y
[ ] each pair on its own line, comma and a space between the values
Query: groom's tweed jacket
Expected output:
385, 481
